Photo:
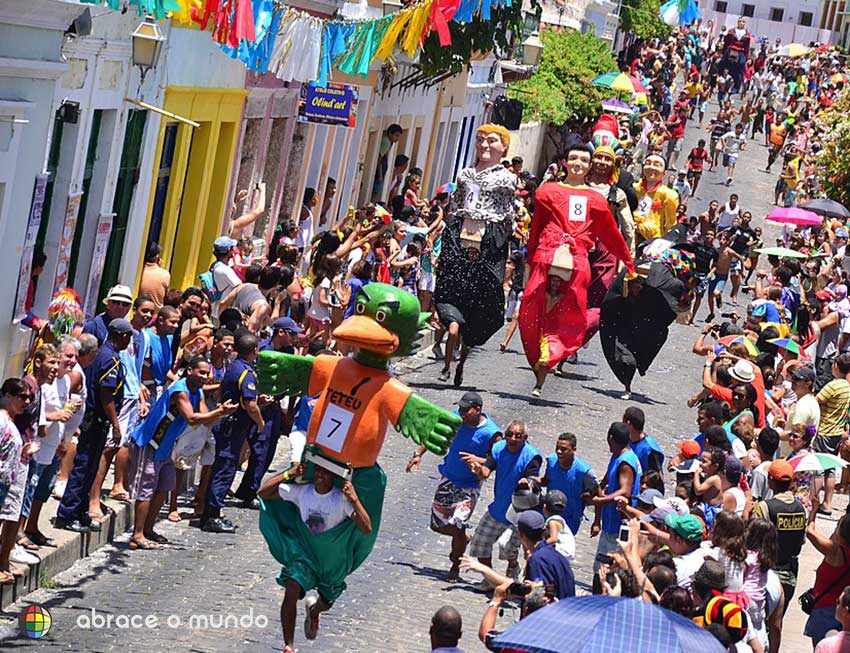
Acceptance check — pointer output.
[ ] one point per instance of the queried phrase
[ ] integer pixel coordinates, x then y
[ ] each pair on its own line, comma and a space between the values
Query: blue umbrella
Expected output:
602, 624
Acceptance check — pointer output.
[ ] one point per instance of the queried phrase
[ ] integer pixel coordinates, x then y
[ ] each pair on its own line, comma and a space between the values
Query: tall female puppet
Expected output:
568, 218
469, 295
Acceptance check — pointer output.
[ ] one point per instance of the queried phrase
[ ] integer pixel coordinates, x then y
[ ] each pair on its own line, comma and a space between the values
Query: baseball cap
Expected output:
556, 501
733, 466
683, 171
649, 495
690, 466
841, 233
803, 373
781, 470
288, 324
223, 244
470, 400
530, 521
120, 326
687, 527
689, 448
119, 293
659, 515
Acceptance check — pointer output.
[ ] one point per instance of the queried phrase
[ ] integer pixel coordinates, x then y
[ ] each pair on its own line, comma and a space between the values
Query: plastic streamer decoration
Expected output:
270, 36
64, 312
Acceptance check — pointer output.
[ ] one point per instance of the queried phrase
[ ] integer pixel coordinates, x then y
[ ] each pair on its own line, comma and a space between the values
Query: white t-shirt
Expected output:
225, 278
805, 411
305, 230
687, 565
319, 311
321, 512
73, 424
54, 396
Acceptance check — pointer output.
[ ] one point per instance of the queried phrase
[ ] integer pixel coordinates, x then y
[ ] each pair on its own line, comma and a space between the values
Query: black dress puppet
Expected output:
634, 324
469, 294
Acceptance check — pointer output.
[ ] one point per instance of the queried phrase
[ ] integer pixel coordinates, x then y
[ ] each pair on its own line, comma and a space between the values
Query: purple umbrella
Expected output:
614, 105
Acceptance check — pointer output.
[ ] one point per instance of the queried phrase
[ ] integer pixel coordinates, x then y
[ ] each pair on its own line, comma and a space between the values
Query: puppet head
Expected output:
492, 143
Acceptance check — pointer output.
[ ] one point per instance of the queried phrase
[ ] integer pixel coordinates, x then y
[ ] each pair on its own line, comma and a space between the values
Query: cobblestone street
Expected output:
390, 599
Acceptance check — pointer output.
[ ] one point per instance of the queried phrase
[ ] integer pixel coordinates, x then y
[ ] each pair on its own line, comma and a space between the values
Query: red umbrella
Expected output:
794, 215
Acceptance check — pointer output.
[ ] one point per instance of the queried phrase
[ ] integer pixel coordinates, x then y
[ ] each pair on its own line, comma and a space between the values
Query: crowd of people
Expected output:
165, 380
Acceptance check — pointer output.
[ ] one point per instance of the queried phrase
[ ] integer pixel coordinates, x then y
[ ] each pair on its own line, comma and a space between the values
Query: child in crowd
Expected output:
727, 536
760, 544
708, 484
557, 532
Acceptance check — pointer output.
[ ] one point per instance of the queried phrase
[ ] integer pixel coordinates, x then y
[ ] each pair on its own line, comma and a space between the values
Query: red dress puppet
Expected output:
553, 324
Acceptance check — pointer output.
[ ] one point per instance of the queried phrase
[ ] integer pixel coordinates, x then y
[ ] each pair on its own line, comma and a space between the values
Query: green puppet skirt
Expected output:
323, 561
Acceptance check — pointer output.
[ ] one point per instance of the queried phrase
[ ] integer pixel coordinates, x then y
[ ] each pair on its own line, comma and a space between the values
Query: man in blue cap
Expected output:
263, 442
224, 277
105, 395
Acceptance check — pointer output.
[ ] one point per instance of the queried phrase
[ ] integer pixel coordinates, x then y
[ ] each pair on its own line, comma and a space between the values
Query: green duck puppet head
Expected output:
385, 324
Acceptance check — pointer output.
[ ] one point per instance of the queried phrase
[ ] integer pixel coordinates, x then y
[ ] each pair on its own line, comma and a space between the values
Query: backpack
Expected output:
208, 284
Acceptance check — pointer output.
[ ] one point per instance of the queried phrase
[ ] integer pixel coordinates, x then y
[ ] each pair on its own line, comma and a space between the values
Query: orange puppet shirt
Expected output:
356, 406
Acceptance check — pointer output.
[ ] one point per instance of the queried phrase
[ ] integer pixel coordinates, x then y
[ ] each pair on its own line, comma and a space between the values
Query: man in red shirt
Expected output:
676, 127
696, 162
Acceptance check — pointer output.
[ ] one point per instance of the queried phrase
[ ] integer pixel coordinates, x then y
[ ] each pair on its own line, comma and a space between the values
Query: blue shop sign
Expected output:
332, 104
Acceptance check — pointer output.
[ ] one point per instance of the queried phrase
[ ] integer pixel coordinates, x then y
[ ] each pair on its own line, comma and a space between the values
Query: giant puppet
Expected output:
469, 295
357, 400
568, 219
736, 51
655, 214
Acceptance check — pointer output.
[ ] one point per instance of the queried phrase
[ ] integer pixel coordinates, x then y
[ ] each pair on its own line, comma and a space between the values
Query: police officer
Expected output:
263, 442
239, 385
105, 395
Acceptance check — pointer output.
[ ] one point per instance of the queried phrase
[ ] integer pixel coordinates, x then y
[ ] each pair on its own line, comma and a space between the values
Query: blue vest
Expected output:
468, 440
571, 483
649, 454
509, 469
162, 417
611, 517
160, 351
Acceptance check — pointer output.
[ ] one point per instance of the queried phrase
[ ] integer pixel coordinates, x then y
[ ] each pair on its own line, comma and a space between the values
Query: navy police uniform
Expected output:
238, 385
106, 372
263, 443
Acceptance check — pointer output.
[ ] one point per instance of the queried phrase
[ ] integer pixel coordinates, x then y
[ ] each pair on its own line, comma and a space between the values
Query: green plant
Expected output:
834, 162
561, 88
641, 18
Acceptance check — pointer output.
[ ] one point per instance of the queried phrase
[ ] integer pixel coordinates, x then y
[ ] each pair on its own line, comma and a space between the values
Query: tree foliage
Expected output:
834, 162
641, 18
561, 88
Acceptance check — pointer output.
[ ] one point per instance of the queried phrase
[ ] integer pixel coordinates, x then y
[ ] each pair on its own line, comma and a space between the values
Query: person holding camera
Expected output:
548, 575
621, 480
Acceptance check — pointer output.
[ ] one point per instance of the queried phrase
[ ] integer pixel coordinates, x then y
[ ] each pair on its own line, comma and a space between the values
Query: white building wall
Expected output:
789, 29
31, 37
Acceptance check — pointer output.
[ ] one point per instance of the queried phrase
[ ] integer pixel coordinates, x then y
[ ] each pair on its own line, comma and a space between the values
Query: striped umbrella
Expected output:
620, 82
752, 350
448, 187
817, 462
787, 344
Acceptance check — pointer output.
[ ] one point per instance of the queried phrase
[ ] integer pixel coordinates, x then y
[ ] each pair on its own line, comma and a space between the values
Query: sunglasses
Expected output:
516, 435
26, 397
119, 302
739, 395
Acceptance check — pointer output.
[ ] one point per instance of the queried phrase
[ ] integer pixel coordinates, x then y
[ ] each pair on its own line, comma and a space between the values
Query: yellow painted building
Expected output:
188, 194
